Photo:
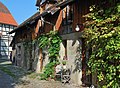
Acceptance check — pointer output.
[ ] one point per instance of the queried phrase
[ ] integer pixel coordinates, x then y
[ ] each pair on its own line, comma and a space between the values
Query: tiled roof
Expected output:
5, 16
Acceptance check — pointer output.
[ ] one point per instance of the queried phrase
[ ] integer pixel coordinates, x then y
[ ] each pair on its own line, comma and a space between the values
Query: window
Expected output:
11, 28
3, 29
67, 16
7, 30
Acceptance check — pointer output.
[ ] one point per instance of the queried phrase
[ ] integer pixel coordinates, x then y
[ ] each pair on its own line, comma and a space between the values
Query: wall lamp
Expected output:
79, 27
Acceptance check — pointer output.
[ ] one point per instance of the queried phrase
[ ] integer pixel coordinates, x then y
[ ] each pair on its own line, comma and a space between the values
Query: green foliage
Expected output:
48, 71
51, 41
102, 35
43, 41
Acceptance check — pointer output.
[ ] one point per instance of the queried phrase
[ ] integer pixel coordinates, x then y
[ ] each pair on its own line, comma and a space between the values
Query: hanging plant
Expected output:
51, 41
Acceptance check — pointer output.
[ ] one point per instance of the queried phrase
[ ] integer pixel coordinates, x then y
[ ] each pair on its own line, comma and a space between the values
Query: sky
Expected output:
20, 9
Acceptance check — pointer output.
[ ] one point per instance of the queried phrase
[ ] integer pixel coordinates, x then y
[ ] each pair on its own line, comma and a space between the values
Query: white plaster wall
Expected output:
61, 52
45, 61
74, 54
74, 60
37, 59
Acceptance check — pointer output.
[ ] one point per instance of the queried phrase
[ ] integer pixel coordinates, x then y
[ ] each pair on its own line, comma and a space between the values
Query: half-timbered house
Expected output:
65, 16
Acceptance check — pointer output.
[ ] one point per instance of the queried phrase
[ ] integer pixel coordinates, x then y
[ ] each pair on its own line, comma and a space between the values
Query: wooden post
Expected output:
37, 27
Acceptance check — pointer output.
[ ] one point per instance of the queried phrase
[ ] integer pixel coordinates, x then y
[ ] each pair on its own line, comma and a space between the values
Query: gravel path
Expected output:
24, 80
35, 83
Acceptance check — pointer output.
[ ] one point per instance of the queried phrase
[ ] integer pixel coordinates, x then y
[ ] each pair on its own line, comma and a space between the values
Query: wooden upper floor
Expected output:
63, 16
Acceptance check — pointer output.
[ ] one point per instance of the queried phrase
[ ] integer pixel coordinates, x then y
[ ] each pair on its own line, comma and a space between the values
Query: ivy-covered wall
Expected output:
102, 35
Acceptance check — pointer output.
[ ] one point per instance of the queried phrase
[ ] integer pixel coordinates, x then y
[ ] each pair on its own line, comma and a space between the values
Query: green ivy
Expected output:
102, 35
48, 71
51, 41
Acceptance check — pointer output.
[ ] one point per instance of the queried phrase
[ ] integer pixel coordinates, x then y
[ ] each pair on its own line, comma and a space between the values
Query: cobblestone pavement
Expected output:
5, 80
45, 84
21, 79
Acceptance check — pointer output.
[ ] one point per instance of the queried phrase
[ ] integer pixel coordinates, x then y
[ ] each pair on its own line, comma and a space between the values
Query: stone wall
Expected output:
74, 56
29, 60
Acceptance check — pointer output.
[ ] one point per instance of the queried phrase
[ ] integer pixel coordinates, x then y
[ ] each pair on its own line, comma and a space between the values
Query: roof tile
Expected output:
7, 19
5, 16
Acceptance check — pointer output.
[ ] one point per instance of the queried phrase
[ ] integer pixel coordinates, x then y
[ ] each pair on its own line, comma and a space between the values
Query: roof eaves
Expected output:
29, 20
24, 23
34, 17
15, 25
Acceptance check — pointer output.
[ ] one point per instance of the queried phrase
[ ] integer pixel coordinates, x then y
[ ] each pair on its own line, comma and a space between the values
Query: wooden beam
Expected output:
37, 27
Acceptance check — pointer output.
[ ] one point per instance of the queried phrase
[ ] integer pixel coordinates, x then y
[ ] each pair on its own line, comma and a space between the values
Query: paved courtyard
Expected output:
14, 77
6, 81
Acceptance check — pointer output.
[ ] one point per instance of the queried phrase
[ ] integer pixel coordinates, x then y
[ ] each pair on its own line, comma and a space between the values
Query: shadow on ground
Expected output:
11, 75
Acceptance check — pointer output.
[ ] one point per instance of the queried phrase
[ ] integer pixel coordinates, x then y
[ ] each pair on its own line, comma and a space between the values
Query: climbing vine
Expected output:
51, 41
102, 35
